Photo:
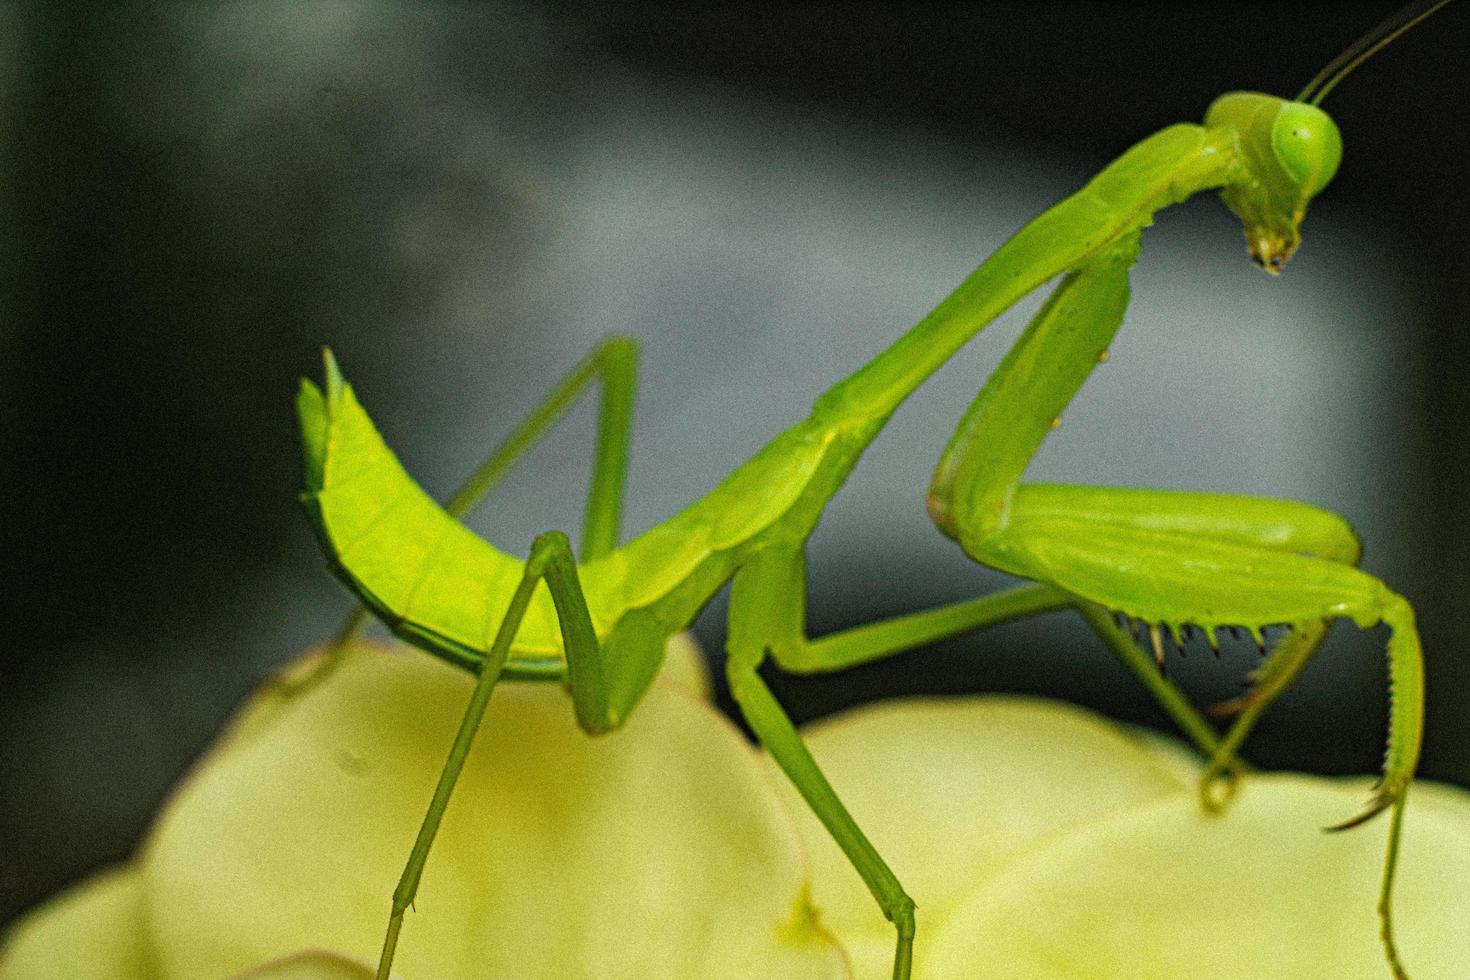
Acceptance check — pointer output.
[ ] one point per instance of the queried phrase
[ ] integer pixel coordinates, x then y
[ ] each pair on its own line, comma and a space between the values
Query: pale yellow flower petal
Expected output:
90, 932
1170, 753
655, 851
1039, 840
313, 965
1165, 891
947, 790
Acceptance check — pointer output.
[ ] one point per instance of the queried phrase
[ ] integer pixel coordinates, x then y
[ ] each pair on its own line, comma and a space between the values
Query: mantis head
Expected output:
1289, 151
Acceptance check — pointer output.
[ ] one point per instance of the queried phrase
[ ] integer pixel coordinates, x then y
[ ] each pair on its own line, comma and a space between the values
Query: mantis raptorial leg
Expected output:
1169, 559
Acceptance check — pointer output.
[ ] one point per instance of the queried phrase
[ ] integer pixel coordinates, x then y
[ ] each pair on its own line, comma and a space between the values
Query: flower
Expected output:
1041, 842
1038, 840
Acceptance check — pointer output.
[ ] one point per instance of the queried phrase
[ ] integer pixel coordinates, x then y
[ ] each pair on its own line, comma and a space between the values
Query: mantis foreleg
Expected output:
1273, 677
1164, 558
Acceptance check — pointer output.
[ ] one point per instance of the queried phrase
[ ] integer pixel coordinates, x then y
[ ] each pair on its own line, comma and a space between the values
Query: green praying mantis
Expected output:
596, 620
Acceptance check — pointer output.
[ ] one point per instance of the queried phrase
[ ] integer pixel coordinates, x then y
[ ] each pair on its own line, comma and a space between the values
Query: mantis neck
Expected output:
1163, 169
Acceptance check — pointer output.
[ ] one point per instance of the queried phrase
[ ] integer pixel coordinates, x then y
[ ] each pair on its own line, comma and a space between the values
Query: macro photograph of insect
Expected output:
613, 490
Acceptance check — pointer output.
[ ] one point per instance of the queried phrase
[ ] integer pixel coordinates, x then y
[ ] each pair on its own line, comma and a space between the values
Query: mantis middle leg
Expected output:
798, 654
615, 362
761, 603
768, 615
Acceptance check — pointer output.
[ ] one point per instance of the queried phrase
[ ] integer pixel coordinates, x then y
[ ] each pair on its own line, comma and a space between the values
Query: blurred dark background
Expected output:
460, 199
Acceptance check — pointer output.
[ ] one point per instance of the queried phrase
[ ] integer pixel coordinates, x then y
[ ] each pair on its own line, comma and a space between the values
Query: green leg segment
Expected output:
1195, 521
550, 559
766, 603
1385, 893
615, 362
1278, 673
874, 641
1222, 579
776, 732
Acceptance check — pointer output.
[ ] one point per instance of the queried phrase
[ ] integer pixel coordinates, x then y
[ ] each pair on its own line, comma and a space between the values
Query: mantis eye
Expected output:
1306, 143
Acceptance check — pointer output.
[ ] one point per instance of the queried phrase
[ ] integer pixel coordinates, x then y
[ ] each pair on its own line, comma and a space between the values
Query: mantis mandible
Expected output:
596, 620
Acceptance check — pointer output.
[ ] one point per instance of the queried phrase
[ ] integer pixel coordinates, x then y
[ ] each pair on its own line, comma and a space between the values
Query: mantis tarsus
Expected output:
597, 620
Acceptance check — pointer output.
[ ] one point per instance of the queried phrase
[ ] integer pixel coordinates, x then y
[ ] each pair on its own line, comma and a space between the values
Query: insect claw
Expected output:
1225, 709
1382, 799
1232, 707
1214, 642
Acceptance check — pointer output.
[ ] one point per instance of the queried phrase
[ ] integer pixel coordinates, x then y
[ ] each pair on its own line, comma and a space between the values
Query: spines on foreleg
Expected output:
1152, 634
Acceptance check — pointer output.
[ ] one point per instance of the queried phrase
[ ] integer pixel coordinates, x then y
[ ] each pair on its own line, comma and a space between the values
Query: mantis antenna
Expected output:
1364, 48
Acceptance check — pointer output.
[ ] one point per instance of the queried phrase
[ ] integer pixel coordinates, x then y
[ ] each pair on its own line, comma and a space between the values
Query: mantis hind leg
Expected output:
550, 560
615, 362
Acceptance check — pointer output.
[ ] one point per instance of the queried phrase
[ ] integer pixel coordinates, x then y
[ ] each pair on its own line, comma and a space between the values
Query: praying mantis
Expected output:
596, 619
